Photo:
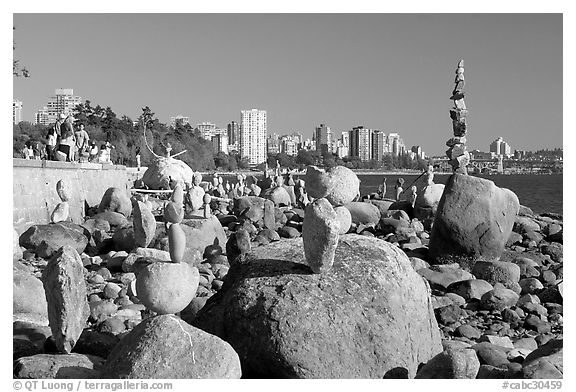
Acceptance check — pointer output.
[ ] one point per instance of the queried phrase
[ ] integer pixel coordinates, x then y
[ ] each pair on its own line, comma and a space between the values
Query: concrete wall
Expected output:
34, 188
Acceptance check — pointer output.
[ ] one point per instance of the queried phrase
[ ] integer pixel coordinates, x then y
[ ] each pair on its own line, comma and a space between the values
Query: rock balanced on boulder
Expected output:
322, 225
62, 210
457, 153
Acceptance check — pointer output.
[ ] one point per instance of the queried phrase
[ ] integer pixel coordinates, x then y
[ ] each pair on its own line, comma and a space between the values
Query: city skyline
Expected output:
382, 71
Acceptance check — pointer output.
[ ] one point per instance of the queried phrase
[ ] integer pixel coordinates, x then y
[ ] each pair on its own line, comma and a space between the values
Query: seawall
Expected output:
34, 188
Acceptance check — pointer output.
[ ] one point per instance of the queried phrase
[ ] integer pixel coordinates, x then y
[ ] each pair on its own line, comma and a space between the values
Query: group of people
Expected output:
65, 143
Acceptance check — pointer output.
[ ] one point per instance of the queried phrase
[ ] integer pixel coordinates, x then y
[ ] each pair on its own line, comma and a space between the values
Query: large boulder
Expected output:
338, 184
427, 201
371, 314
278, 195
167, 347
474, 220
162, 170
116, 200
45, 240
363, 213
65, 288
50, 366
201, 232
28, 298
545, 362
451, 364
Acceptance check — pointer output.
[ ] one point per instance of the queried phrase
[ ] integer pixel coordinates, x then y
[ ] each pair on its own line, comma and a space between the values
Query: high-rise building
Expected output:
289, 145
220, 142
378, 145
361, 143
272, 144
233, 134
184, 119
500, 147
253, 130
16, 111
207, 130
323, 137
62, 102
417, 150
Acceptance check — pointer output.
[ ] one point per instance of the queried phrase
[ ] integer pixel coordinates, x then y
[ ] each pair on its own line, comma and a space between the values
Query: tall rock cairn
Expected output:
459, 157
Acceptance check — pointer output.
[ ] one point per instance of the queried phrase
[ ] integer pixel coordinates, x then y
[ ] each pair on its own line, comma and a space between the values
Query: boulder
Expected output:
471, 288
363, 213
45, 240
114, 219
162, 169
116, 200
451, 364
65, 290
288, 232
144, 224
339, 185
166, 347
167, 287
427, 200
51, 366
16, 249
320, 234
124, 239
372, 313
28, 298
201, 232
545, 362
498, 299
474, 220
383, 205
444, 277
278, 195
494, 272
344, 218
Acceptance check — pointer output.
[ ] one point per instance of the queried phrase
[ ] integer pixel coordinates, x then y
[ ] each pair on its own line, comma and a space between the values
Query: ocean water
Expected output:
541, 193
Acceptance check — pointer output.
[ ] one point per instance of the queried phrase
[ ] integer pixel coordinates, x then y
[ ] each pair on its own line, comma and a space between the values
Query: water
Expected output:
541, 193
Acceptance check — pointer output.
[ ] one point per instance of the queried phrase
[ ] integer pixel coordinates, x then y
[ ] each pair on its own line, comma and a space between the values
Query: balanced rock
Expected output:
338, 184
371, 303
320, 233
65, 289
47, 239
363, 213
162, 169
116, 200
195, 198
62, 191
474, 220
344, 218
167, 287
144, 224
114, 219
61, 213
167, 347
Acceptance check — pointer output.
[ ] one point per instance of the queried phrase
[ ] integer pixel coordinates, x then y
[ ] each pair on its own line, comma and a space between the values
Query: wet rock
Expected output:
65, 290
167, 347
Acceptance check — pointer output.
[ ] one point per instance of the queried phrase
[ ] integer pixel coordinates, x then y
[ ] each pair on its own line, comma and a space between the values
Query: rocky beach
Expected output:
259, 279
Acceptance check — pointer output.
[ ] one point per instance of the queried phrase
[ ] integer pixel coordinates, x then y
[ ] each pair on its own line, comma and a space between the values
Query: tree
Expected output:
17, 69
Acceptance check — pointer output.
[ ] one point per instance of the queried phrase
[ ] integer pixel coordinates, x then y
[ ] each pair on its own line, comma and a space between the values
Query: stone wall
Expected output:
34, 188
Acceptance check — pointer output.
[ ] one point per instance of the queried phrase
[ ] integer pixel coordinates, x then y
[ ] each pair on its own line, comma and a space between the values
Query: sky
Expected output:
392, 72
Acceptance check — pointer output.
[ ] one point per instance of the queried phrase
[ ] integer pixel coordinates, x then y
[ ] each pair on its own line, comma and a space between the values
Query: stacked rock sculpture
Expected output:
62, 210
322, 224
195, 194
457, 153
206, 209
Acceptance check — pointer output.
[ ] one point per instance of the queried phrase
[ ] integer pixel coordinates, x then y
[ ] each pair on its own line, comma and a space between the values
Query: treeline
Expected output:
546, 154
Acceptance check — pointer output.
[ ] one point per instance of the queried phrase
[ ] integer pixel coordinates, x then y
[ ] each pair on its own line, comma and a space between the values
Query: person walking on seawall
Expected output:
138, 158
67, 139
52, 140
27, 151
93, 152
82, 140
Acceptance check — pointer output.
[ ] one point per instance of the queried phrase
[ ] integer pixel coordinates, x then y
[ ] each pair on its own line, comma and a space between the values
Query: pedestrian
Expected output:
52, 140
82, 140
28, 151
412, 194
104, 156
67, 140
93, 152
382, 189
138, 158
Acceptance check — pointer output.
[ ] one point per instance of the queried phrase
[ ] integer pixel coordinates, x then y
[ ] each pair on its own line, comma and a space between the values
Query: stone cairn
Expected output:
321, 227
459, 157
62, 210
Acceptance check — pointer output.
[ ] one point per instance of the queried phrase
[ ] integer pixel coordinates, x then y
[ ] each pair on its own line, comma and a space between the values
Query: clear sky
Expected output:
392, 72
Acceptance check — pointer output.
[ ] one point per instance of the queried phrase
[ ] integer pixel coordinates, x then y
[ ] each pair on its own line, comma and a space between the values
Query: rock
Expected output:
189, 312
167, 287
60, 213
200, 233
339, 185
554, 250
113, 325
114, 219
162, 169
238, 244
530, 285
474, 219
535, 323
371, 302
363, 213
471, 288
16, 249
383, 205
101, 310
499, 299
144, 224
50, 366
514, 238
451, 364
501, 341
320, 234
23, 348
28, 298
449, 314
128, 262
167, 347
288, 232
269, 216
344, 218
195, 198
445, 277
491, 354
111, 290
427, 201
467, 331
392, 226
498, 272
524, 224
116, 200
93, 224
123, 239
46, 240
278, 195
96, 343
546, 362
65, 290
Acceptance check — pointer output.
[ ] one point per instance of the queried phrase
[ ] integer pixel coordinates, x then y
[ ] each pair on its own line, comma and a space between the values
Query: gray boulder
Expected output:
474, 220
278, 195
161, 170
116, 200
363, 213
451, 364
65, 290
167, 347
494, 272
28, 298
369, 315
50, 366
45, 240
201, 232
545, 362
144, 224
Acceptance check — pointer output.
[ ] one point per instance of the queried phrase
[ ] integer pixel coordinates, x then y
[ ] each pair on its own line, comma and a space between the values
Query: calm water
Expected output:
541, 193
